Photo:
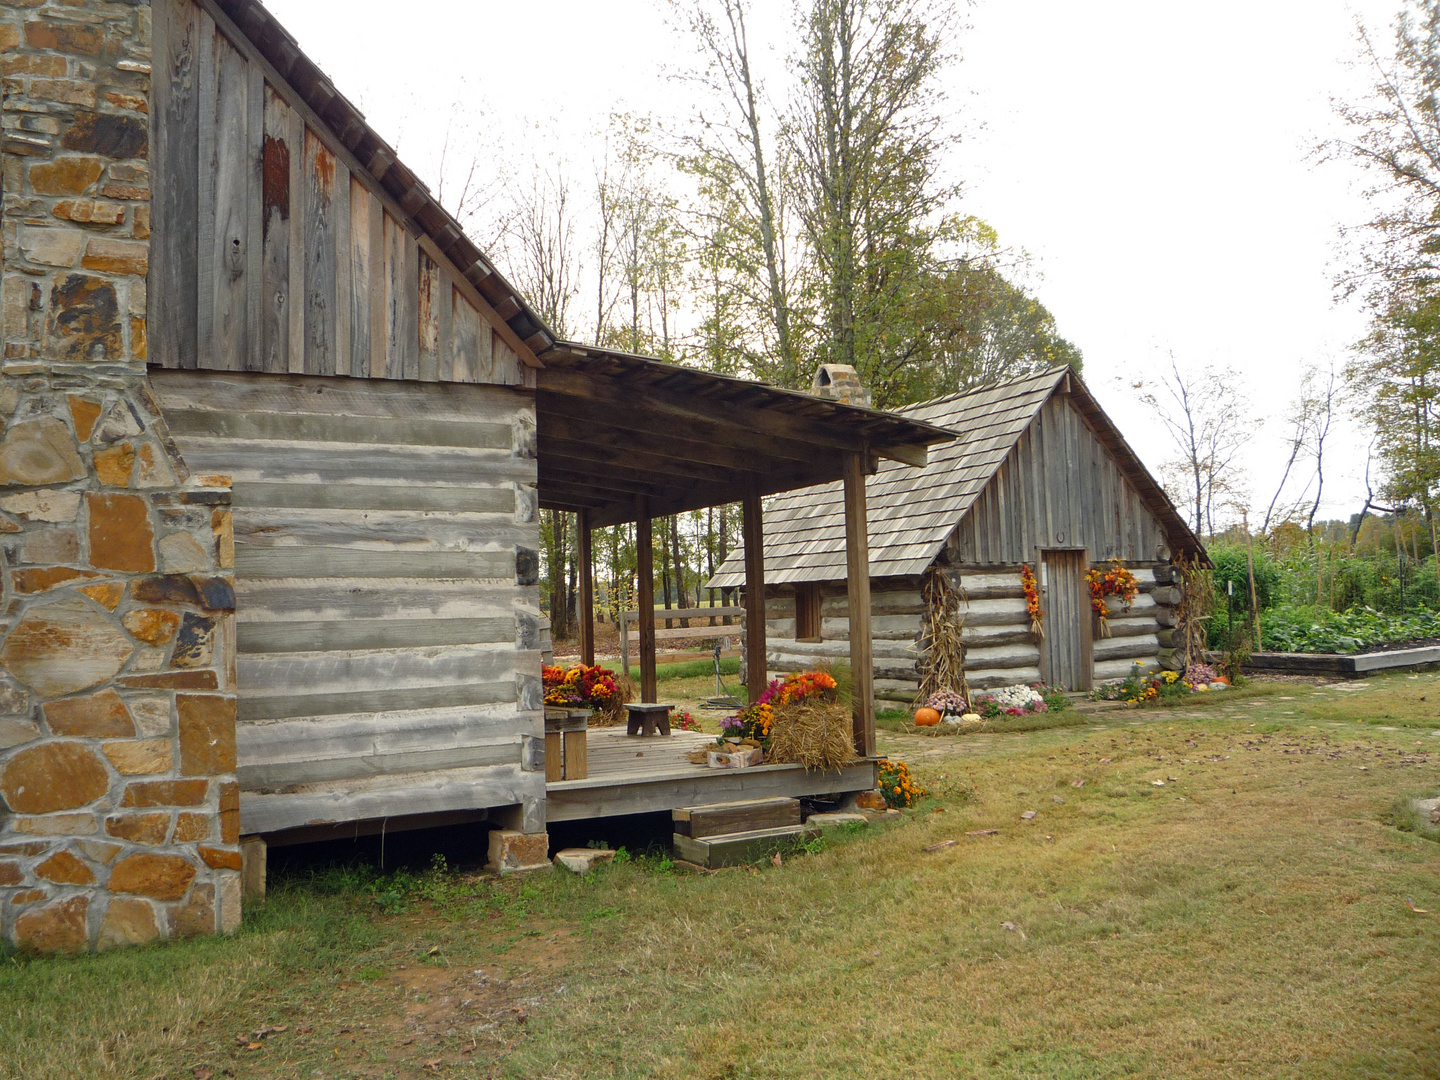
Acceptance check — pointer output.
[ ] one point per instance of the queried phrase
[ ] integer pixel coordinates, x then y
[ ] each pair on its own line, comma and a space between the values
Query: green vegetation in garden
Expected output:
1218, 889
1316, 593
689, 669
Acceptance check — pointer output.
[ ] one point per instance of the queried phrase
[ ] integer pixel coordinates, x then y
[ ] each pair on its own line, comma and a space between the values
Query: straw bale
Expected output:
814, 733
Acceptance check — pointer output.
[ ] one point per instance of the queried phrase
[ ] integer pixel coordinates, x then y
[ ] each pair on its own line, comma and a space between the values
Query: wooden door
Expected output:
1068, 649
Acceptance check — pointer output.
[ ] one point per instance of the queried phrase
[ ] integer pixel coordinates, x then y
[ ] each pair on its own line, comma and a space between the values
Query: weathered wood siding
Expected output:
1059, 487
275, 250
387, 616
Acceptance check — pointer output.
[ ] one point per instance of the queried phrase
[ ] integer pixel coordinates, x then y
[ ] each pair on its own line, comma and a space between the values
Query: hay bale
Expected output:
813, 733
613, 714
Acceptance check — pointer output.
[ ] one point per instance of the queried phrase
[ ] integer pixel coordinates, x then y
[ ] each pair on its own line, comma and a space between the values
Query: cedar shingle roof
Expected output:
912, 511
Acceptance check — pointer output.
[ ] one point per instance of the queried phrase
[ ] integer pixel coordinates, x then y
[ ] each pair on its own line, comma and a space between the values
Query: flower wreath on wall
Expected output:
1115, 580
1032, 600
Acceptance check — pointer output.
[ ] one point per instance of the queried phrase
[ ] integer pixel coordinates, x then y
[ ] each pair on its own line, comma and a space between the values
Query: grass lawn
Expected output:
1217, 890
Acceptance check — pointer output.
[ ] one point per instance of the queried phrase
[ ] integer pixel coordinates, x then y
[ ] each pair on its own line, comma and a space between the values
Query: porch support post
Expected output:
857, 591
586, 600
754, 535
645, 597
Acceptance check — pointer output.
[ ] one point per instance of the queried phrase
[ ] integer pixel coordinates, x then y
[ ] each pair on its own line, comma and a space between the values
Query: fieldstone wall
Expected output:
120, 813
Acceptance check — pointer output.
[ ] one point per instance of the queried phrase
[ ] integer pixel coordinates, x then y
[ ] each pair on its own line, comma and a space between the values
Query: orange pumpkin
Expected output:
926, 717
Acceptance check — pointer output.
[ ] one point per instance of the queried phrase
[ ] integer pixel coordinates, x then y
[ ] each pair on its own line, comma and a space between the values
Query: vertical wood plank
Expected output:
505, 367
857, 591
358, 362
485, 357
445, 331
465, 331
341, 210
205, 279
427, 317
585, 602
320, 254
229, 254
254, 228
410, 325
175, 199
394, 271
296, 141
275, 232
379, 321
645, 598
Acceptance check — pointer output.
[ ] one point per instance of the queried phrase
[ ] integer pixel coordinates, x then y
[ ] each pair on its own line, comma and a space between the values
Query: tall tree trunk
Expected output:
664, 571
679, 563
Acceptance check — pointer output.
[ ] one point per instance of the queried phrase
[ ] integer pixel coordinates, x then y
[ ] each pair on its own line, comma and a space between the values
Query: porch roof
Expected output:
612, 426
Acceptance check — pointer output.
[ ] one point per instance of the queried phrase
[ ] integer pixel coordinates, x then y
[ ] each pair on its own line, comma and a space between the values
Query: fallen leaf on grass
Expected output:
937, 810
253, 1046
1078, 783
1104, 761
202, 1073
1028, 815
434, 1064
776, 860
434, 950
1418, 910
1009, 926
984, 832
1157, 783
941, 845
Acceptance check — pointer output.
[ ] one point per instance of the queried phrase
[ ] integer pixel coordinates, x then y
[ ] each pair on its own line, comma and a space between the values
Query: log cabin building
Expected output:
1038, 474
276, 435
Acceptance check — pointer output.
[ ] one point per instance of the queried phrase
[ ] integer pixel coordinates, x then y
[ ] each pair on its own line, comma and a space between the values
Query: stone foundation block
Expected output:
581, 860
512, 851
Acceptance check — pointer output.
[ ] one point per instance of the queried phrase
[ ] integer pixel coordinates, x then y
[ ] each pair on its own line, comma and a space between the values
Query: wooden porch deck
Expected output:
633, 775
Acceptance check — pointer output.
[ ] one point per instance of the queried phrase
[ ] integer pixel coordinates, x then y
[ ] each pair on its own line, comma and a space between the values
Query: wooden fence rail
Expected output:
629, 618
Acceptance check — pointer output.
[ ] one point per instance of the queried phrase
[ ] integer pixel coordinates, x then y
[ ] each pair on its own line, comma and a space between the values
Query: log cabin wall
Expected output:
275, 250
895, 621
1059, 487
388, 622
1000, 648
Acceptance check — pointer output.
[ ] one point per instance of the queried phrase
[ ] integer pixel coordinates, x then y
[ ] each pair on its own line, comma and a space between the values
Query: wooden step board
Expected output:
746, 815
739, 848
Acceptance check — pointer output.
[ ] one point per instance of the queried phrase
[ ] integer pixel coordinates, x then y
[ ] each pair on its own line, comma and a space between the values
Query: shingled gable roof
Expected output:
913, 511
280, 52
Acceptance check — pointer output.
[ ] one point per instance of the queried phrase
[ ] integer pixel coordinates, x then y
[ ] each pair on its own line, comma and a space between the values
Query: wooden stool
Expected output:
645, 717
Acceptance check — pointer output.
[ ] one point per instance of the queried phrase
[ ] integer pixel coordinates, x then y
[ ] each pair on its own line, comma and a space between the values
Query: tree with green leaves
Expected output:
1395, 138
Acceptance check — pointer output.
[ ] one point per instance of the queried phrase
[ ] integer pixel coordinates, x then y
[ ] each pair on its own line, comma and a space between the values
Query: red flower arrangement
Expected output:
1114, 581
1032, 600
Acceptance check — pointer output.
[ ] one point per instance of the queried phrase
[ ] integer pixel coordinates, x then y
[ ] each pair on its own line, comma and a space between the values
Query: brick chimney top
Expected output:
839, 382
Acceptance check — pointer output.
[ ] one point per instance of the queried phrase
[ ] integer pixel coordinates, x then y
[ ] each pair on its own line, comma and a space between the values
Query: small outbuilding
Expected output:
1037, 476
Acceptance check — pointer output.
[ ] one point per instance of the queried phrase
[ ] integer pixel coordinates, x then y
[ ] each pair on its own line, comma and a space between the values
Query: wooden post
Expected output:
754, 534
585, 602
645, 599
857, 591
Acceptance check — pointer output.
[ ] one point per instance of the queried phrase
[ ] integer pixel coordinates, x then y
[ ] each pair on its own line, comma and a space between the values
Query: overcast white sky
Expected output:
1155, 160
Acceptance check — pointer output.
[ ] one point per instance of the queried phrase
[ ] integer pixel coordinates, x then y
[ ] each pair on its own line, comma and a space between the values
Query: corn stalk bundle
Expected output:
1197, 605
942, 661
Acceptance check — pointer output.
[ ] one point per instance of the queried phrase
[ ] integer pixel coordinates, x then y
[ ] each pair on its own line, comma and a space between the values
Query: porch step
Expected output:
699, 822
738, 848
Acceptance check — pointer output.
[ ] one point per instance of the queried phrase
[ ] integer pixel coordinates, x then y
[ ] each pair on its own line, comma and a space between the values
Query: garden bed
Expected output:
1348, 665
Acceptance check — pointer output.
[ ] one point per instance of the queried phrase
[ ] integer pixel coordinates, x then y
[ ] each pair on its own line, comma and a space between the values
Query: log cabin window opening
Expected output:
807, 612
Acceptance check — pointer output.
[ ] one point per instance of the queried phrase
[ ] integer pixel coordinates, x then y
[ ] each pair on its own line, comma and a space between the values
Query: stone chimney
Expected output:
839, 382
